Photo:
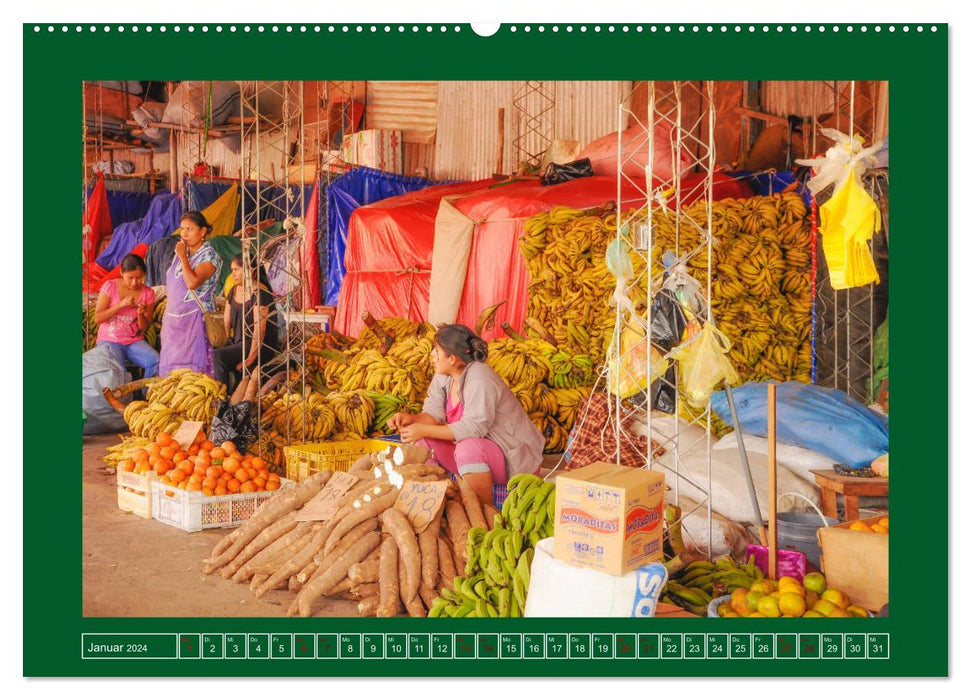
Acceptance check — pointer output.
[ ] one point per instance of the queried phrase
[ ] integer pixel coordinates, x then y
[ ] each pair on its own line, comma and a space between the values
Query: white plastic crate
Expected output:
193, 511
135, 493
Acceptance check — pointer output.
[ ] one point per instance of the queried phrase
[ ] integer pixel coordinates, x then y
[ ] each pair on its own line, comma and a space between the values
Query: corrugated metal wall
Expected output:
467, 138
816, 97
411, 107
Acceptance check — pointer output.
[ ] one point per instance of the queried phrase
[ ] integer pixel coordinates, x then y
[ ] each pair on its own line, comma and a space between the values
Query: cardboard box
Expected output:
609, 518
857, 563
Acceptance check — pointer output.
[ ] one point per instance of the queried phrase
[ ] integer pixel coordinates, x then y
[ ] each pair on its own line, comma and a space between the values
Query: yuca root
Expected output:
388, 579
337, 571
473, 507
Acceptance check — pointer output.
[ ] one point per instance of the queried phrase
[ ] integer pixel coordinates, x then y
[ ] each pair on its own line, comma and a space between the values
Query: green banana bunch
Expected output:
385, 406
705, 576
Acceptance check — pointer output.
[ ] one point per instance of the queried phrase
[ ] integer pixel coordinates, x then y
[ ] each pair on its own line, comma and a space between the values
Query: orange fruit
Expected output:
183, 484
233, 486
228, 447
152, 449
209, 483
177, 475
207, 492
247, 487
167, 452
217, 453
194, 450
126, 465
193, 486
880, 529
860, 527
200, 470
199, 438
185, 465
206, 445
160, 468
263, 474
260, 483
230, 464
241, 474
884, 522
272, 485
273, 477
220, 490
179, 456
139, 455
213, 472
258, 463
163, 439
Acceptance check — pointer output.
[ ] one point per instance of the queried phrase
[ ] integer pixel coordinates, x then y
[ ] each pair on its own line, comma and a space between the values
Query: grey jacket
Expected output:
492, 411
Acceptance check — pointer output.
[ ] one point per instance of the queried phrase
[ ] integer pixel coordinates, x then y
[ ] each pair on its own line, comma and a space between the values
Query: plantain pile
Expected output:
550, 383
183, 395
693, 587
761, 284
498, 559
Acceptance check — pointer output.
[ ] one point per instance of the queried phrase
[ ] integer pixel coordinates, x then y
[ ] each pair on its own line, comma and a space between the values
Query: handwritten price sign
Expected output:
323, 506
420, 501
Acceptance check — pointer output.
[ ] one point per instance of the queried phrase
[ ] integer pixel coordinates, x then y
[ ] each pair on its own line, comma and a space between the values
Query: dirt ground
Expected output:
133, 567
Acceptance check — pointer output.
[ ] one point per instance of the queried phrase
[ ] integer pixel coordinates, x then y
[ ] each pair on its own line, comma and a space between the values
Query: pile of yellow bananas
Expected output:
183, 395
761, 288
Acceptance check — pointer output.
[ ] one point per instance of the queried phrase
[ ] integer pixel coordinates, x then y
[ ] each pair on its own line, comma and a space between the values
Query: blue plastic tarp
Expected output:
820, 419
126, 206
200, 195
768, 183
161, 219
357, 188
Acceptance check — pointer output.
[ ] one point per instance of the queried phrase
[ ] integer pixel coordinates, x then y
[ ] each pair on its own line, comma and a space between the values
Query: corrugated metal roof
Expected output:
467, 140
411, 107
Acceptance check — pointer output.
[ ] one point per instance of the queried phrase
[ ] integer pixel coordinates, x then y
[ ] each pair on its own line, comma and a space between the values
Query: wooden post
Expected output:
173, 156
501, 140
773, 498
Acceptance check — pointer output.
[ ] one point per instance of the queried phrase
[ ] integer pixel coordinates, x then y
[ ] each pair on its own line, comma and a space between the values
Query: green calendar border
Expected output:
915, 63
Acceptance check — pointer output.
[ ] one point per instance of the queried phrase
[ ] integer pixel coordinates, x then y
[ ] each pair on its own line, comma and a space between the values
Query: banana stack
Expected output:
354, 411
696, 584
124, 450
498, 561
761, 287
181, 396
384, 407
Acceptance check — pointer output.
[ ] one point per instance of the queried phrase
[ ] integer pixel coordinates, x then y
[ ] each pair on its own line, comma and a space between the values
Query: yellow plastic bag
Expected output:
847, 223
704, 363
632, 376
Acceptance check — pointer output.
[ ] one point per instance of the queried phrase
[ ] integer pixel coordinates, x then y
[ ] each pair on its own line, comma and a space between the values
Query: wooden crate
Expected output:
857, 563
135, 493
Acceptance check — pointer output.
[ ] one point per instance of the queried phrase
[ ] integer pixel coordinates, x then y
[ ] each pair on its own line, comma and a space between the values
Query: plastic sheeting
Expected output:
389, 256
201, 194
773, 182
309, 257
391, 244
161, 219
360, 187
97, 219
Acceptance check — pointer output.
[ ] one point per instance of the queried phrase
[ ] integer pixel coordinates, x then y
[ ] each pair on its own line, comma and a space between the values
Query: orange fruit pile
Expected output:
215, 470
881, 527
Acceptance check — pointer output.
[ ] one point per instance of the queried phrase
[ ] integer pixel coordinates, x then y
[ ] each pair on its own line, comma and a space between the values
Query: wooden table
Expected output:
851, 487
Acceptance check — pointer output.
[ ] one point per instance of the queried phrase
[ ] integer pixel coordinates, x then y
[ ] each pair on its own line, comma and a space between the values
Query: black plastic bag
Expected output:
233, 423
663, 394
556, 173
667, 321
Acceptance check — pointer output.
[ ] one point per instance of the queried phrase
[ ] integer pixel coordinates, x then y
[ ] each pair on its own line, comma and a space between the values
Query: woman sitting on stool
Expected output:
471, 421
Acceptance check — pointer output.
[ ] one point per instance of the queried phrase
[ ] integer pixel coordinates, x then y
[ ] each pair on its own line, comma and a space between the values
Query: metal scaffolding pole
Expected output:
683, 112
271, 117
535, 107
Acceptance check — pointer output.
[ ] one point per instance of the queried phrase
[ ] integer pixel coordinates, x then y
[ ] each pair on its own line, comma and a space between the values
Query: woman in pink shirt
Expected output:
124, 312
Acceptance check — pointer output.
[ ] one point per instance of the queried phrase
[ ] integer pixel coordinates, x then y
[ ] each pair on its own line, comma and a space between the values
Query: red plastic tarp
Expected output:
95, 275
97, 219
390, 244
389, 256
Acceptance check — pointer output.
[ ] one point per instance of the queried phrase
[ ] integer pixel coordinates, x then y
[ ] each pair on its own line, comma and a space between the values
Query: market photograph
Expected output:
549, 349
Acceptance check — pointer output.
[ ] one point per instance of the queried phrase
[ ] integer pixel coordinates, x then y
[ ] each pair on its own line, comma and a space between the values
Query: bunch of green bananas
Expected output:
385, 406
473, 596
124, 449
570, 371
530, 507
705, 579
